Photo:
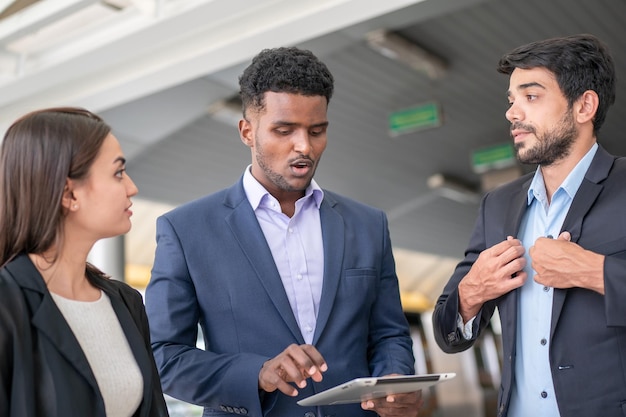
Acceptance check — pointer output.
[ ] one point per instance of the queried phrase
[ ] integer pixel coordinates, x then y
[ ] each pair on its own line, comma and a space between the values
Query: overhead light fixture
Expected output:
453, 189
37, 16
227, 110
46, 24
399, 48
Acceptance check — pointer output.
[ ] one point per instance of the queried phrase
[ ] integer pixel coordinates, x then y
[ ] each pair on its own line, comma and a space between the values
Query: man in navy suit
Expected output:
549, 249
294, 287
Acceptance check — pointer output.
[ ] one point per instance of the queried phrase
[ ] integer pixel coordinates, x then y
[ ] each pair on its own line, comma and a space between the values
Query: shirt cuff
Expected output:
466, 329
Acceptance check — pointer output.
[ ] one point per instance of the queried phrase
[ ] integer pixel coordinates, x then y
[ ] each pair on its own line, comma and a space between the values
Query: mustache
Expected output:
303, 157
522, 126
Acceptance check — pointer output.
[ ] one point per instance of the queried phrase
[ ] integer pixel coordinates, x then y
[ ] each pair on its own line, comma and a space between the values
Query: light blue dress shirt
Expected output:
533, 389
296, 245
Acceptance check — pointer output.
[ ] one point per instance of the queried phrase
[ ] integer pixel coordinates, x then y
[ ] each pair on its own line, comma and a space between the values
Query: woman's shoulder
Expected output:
120, 286
9, 287
12, 301
116, 287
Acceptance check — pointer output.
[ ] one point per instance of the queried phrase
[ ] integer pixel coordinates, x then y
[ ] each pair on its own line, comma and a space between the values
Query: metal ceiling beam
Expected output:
189, 39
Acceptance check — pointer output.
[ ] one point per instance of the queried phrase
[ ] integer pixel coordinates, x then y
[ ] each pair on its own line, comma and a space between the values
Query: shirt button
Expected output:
546, 289
309, 329
544, 394
299, 276
550, 237
543, 343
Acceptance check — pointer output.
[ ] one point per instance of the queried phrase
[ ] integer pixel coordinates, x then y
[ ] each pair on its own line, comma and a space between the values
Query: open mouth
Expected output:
302, 166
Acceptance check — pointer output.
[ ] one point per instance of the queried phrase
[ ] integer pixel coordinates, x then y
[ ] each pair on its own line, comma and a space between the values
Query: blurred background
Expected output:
417, 123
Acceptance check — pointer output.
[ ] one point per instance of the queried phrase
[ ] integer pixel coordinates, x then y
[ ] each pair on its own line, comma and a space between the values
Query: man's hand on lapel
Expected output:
560, 263
498, 270
295, 364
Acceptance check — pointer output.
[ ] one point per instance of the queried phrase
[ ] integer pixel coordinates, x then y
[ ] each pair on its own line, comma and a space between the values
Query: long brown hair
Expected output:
40, 151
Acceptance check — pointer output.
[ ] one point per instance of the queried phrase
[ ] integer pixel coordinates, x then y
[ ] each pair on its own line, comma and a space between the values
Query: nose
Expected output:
301, 142
513, 113
131, 188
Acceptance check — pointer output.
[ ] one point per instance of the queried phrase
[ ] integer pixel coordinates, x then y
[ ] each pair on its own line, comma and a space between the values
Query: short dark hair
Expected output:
579, 62
40, 151
284, 70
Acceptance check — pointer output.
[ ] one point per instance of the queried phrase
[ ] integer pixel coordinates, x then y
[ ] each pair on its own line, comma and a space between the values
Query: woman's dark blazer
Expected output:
43, 371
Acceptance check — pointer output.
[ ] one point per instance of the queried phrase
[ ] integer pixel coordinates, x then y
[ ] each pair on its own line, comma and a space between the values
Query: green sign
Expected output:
493, 157
415, 118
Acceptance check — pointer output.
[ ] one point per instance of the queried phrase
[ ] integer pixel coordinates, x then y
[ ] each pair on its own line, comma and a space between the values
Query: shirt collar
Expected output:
256, 193
571, 183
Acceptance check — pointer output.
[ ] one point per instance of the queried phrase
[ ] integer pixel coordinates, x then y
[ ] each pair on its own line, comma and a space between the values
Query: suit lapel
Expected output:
517, 205
134, 338
246, 229
47, 318
583, 201
332, 236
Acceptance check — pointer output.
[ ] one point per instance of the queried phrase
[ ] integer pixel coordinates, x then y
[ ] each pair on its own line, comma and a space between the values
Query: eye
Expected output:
317, 131
120, 173
283, 132
531, 97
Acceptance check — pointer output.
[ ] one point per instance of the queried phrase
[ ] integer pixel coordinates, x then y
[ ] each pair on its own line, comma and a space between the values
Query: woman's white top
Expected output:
102, 339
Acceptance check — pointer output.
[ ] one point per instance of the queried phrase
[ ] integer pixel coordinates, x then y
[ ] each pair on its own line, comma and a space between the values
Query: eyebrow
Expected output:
284, 123
120, 159
525, 86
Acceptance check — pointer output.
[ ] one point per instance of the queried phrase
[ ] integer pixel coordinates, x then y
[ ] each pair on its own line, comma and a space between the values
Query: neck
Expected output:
64, 274
555, 174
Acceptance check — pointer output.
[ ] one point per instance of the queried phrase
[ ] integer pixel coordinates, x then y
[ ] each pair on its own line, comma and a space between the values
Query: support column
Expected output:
108, 255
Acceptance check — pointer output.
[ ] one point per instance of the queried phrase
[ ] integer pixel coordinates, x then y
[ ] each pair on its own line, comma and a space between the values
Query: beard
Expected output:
278, 180
552, 145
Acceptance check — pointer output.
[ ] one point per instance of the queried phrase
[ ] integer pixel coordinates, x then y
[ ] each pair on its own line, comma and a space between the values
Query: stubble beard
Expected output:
275, 178
551, 146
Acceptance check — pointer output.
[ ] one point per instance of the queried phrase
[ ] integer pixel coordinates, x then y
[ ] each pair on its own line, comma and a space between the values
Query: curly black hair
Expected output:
284, 70
579, 63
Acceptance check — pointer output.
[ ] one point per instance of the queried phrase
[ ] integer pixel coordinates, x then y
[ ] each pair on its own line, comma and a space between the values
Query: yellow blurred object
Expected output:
415, 302
138, 276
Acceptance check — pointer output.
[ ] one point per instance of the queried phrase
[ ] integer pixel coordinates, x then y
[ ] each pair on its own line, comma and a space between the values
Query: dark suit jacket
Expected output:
43, 371
214, 267
588, 331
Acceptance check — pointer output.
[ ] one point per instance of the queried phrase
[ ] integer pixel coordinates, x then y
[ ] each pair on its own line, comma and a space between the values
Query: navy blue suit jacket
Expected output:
588, 330
214, 267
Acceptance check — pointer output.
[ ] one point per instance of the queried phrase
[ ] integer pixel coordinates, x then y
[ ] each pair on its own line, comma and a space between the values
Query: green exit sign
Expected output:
493, 157
415, 118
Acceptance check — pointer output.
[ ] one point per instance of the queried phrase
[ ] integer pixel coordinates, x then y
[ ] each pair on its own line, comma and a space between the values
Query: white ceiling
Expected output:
156, 69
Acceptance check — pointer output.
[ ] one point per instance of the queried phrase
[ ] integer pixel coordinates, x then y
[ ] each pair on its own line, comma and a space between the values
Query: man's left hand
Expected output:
396, 405
559, 263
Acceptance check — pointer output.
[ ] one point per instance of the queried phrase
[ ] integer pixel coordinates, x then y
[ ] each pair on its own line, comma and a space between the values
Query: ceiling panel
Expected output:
362, 160
180, 151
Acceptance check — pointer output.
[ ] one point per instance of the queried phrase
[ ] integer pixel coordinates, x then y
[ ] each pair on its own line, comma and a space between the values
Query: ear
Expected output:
69, 201
586, 107
246, 132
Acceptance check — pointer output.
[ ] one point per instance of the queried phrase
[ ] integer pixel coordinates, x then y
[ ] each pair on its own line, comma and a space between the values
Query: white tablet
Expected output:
361, 389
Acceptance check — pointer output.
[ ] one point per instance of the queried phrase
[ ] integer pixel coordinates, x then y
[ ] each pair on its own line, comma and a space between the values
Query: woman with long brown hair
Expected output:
72, 341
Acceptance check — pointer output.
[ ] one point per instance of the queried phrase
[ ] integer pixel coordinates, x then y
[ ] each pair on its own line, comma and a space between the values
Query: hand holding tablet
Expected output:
361, 389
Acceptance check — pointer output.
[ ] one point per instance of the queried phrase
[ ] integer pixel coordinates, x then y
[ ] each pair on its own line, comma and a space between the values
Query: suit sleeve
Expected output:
7, 344
615, 288
188, 373
447, 334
